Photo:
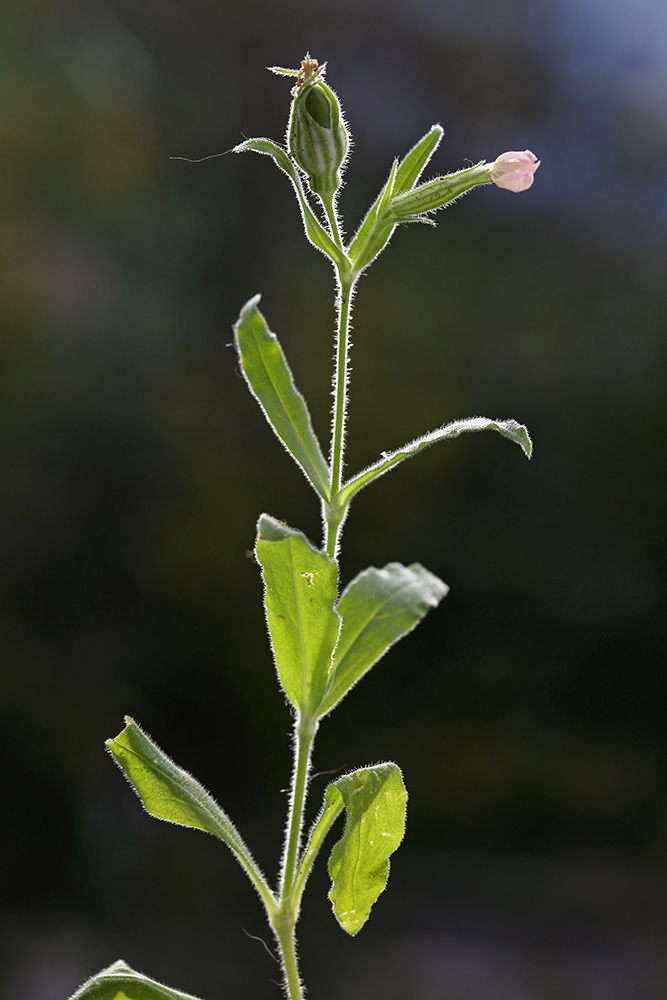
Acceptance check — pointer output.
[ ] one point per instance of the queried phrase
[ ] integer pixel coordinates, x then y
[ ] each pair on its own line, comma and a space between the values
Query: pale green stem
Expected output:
287, 913
333, 519
291, 884
290, 965
341, 377
332, 216
304, 735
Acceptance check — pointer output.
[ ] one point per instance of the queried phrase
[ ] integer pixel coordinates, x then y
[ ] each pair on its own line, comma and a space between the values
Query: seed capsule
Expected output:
317, 135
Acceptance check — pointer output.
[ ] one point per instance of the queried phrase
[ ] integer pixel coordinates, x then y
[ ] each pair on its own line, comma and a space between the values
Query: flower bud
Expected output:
514, 171
317, 135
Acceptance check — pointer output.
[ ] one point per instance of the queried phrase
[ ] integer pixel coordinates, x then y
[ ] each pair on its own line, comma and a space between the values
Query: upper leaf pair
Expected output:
272, 384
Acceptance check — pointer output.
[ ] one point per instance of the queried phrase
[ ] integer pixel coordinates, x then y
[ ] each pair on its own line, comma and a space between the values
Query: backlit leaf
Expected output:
508, 428
120, 982
271, 383
378, 607
170, 793
375, 800
299, 597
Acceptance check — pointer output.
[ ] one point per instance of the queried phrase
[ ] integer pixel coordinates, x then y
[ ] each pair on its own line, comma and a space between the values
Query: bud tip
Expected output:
515, 171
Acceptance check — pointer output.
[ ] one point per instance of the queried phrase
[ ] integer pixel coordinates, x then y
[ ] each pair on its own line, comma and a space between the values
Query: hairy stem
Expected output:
304, 734
286, 914
287, 945
340, 384
332, 217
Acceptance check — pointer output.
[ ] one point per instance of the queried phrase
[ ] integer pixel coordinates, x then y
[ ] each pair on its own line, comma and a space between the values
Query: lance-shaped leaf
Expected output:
315, 231
375, 232
272, 384
374, 800
378, 607
300, 592
120, 982
508, 428
170, 793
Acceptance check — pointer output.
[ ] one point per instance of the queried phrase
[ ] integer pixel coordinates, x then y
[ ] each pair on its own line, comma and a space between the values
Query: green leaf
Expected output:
170, 793
315, 231
378, 607
299, 597
120, 982
272, 384
374, 799
508, 428
375, 232
412, 166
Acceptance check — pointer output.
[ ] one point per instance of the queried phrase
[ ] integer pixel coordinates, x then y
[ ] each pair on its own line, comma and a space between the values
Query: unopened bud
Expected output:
514, 170
317, 135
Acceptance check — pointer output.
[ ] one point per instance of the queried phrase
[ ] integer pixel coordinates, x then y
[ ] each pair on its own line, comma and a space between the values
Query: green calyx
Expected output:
317, 136
413, 205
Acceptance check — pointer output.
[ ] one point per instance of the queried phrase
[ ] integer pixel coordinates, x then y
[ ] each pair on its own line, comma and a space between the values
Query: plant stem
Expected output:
304, 734
286, 914
287, 946
332, 216
341, 375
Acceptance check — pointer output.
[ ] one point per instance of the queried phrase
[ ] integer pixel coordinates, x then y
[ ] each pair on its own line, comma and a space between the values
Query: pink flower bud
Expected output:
514, 171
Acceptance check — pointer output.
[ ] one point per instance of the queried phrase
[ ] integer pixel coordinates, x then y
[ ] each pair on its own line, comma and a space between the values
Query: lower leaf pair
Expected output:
322, 646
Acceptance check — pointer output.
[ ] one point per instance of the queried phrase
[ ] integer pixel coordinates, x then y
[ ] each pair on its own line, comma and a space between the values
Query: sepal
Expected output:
413, 205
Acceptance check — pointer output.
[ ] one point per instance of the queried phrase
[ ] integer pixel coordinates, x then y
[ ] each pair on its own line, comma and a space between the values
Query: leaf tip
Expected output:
249, 307
524, 439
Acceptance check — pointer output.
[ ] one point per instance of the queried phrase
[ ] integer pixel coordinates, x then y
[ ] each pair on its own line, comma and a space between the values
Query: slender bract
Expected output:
322, 643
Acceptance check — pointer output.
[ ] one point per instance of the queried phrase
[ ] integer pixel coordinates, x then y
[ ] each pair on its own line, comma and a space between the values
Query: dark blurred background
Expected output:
529, 712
